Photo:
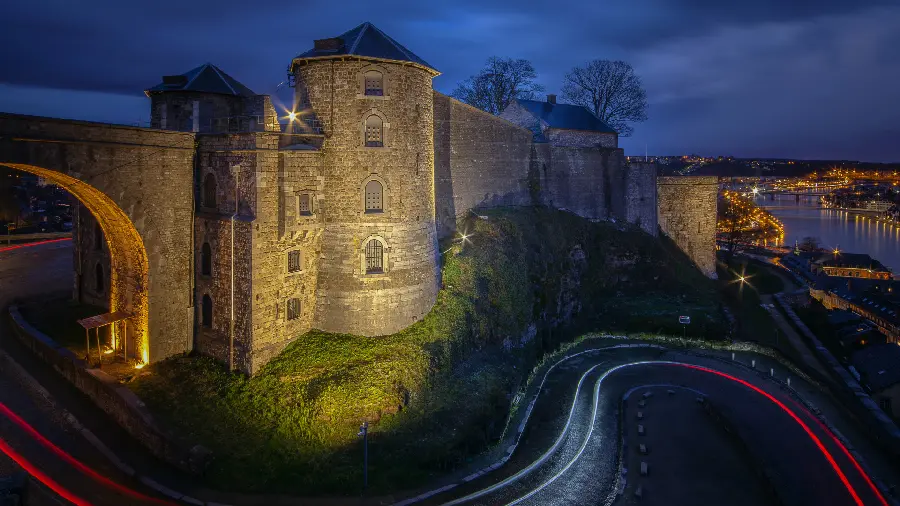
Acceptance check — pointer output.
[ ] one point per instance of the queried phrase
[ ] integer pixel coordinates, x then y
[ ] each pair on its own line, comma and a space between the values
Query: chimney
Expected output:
551, 98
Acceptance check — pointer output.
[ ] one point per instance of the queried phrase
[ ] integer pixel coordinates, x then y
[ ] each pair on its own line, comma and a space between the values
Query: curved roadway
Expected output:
803, 461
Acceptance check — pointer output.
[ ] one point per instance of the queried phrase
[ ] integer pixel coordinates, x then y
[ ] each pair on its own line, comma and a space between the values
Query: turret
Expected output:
205, 100
372, 99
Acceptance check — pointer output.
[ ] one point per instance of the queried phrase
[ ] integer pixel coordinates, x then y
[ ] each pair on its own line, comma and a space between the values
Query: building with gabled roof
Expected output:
561, 124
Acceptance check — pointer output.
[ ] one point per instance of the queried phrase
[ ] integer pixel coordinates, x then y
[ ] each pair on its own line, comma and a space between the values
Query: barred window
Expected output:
206, 260
294, 264
304, 204
374, 197
374, 83
293, 309
209, 191
206, 312
374, 131
374, 257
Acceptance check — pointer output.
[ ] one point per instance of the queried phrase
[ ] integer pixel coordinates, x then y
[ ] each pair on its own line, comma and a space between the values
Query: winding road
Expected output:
774, 442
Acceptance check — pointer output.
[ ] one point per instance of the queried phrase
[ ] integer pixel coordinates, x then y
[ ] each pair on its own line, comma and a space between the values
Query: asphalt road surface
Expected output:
33, 434
775, 447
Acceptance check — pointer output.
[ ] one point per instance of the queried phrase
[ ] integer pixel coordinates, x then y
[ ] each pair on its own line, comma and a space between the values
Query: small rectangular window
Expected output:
304, 205
294, 264
293, 309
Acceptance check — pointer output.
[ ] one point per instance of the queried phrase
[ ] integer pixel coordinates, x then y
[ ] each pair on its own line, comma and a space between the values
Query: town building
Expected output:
327, 216
878, 368
854, 265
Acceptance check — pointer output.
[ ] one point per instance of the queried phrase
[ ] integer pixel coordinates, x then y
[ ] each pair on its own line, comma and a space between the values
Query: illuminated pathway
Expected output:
803, 460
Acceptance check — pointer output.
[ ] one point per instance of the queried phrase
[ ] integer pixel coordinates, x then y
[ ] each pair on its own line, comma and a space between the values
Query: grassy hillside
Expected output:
437, 392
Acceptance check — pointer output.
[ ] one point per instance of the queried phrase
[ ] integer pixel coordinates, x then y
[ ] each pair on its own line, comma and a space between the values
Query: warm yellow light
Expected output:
139, 366
107, 352
292, 115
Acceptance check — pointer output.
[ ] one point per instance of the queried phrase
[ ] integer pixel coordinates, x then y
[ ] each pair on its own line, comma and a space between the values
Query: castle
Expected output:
332, 221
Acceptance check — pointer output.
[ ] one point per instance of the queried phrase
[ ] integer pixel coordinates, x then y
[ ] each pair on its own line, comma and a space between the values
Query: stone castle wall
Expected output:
348, 298
480, 161
282, 177
687, 214
140, 182
484, 161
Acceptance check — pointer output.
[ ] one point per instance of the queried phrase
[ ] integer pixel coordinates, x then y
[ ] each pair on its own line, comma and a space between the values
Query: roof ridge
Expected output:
219, 73
365, 26
200, 71
394, 43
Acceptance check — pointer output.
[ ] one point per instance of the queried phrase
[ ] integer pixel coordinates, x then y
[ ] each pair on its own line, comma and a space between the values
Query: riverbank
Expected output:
850, 231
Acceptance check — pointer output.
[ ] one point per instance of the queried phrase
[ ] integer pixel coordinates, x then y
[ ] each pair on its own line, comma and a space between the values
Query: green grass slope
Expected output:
438, 392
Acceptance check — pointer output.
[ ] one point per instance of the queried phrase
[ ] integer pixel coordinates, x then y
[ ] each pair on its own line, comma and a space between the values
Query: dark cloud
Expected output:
743, 76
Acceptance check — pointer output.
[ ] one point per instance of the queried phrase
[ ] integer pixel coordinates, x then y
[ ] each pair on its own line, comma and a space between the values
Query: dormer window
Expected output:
374, 83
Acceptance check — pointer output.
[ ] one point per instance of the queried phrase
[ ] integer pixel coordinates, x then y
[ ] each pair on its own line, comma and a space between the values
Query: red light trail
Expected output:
26, 245
32, 470
809, 432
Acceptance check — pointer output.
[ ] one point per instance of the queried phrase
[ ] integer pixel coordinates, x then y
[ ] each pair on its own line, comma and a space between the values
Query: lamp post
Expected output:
364, 434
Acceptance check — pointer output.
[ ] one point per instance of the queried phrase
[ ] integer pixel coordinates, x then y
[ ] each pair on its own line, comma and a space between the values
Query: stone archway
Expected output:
128, 276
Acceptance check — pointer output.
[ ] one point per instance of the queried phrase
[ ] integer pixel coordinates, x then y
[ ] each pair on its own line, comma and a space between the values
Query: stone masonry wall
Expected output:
480, 161
142, 182
687, 214
581, 138
87, 257
641, 196
232, 160
349, 299
279, 229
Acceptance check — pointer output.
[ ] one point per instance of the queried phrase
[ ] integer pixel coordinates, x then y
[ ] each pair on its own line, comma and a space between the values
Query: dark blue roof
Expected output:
566, 116
206, 78
367, 40
879, 365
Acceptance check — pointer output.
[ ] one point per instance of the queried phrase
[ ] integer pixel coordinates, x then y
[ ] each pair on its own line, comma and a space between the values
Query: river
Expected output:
834, 229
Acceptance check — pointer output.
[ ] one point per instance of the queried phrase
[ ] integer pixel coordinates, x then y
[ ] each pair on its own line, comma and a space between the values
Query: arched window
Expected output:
206, 260
209, 191
99, 279
374, 131
374, 257
98, 237
206, 312
293, 309
374, 197
374, 83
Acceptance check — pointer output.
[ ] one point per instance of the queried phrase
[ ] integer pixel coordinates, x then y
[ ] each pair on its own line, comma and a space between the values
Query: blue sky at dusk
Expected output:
748, 78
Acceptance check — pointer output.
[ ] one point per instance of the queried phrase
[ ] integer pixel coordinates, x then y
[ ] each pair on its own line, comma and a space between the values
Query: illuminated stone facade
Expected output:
236, 241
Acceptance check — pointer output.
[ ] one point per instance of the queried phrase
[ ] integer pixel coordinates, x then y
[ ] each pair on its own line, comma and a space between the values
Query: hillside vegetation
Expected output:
438, 392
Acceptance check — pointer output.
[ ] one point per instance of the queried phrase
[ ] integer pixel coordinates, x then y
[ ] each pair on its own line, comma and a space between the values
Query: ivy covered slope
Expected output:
438, 392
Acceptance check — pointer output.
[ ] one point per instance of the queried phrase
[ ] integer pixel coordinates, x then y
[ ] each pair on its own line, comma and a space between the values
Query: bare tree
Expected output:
500, 81
611, 90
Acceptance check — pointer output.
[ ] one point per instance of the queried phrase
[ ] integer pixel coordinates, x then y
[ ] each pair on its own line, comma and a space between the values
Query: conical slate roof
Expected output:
206, 78
365, 40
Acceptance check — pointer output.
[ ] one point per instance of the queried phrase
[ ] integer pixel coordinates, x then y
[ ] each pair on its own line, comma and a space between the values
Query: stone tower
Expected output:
372, 99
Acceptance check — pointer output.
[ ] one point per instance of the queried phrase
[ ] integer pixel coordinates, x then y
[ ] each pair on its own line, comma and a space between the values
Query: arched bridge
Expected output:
138, 184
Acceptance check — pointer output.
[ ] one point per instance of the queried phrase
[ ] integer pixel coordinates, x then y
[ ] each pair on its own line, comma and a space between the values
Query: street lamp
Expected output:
364, 434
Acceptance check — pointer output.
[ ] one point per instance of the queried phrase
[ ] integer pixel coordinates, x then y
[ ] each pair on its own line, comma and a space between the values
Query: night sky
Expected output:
816, 79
